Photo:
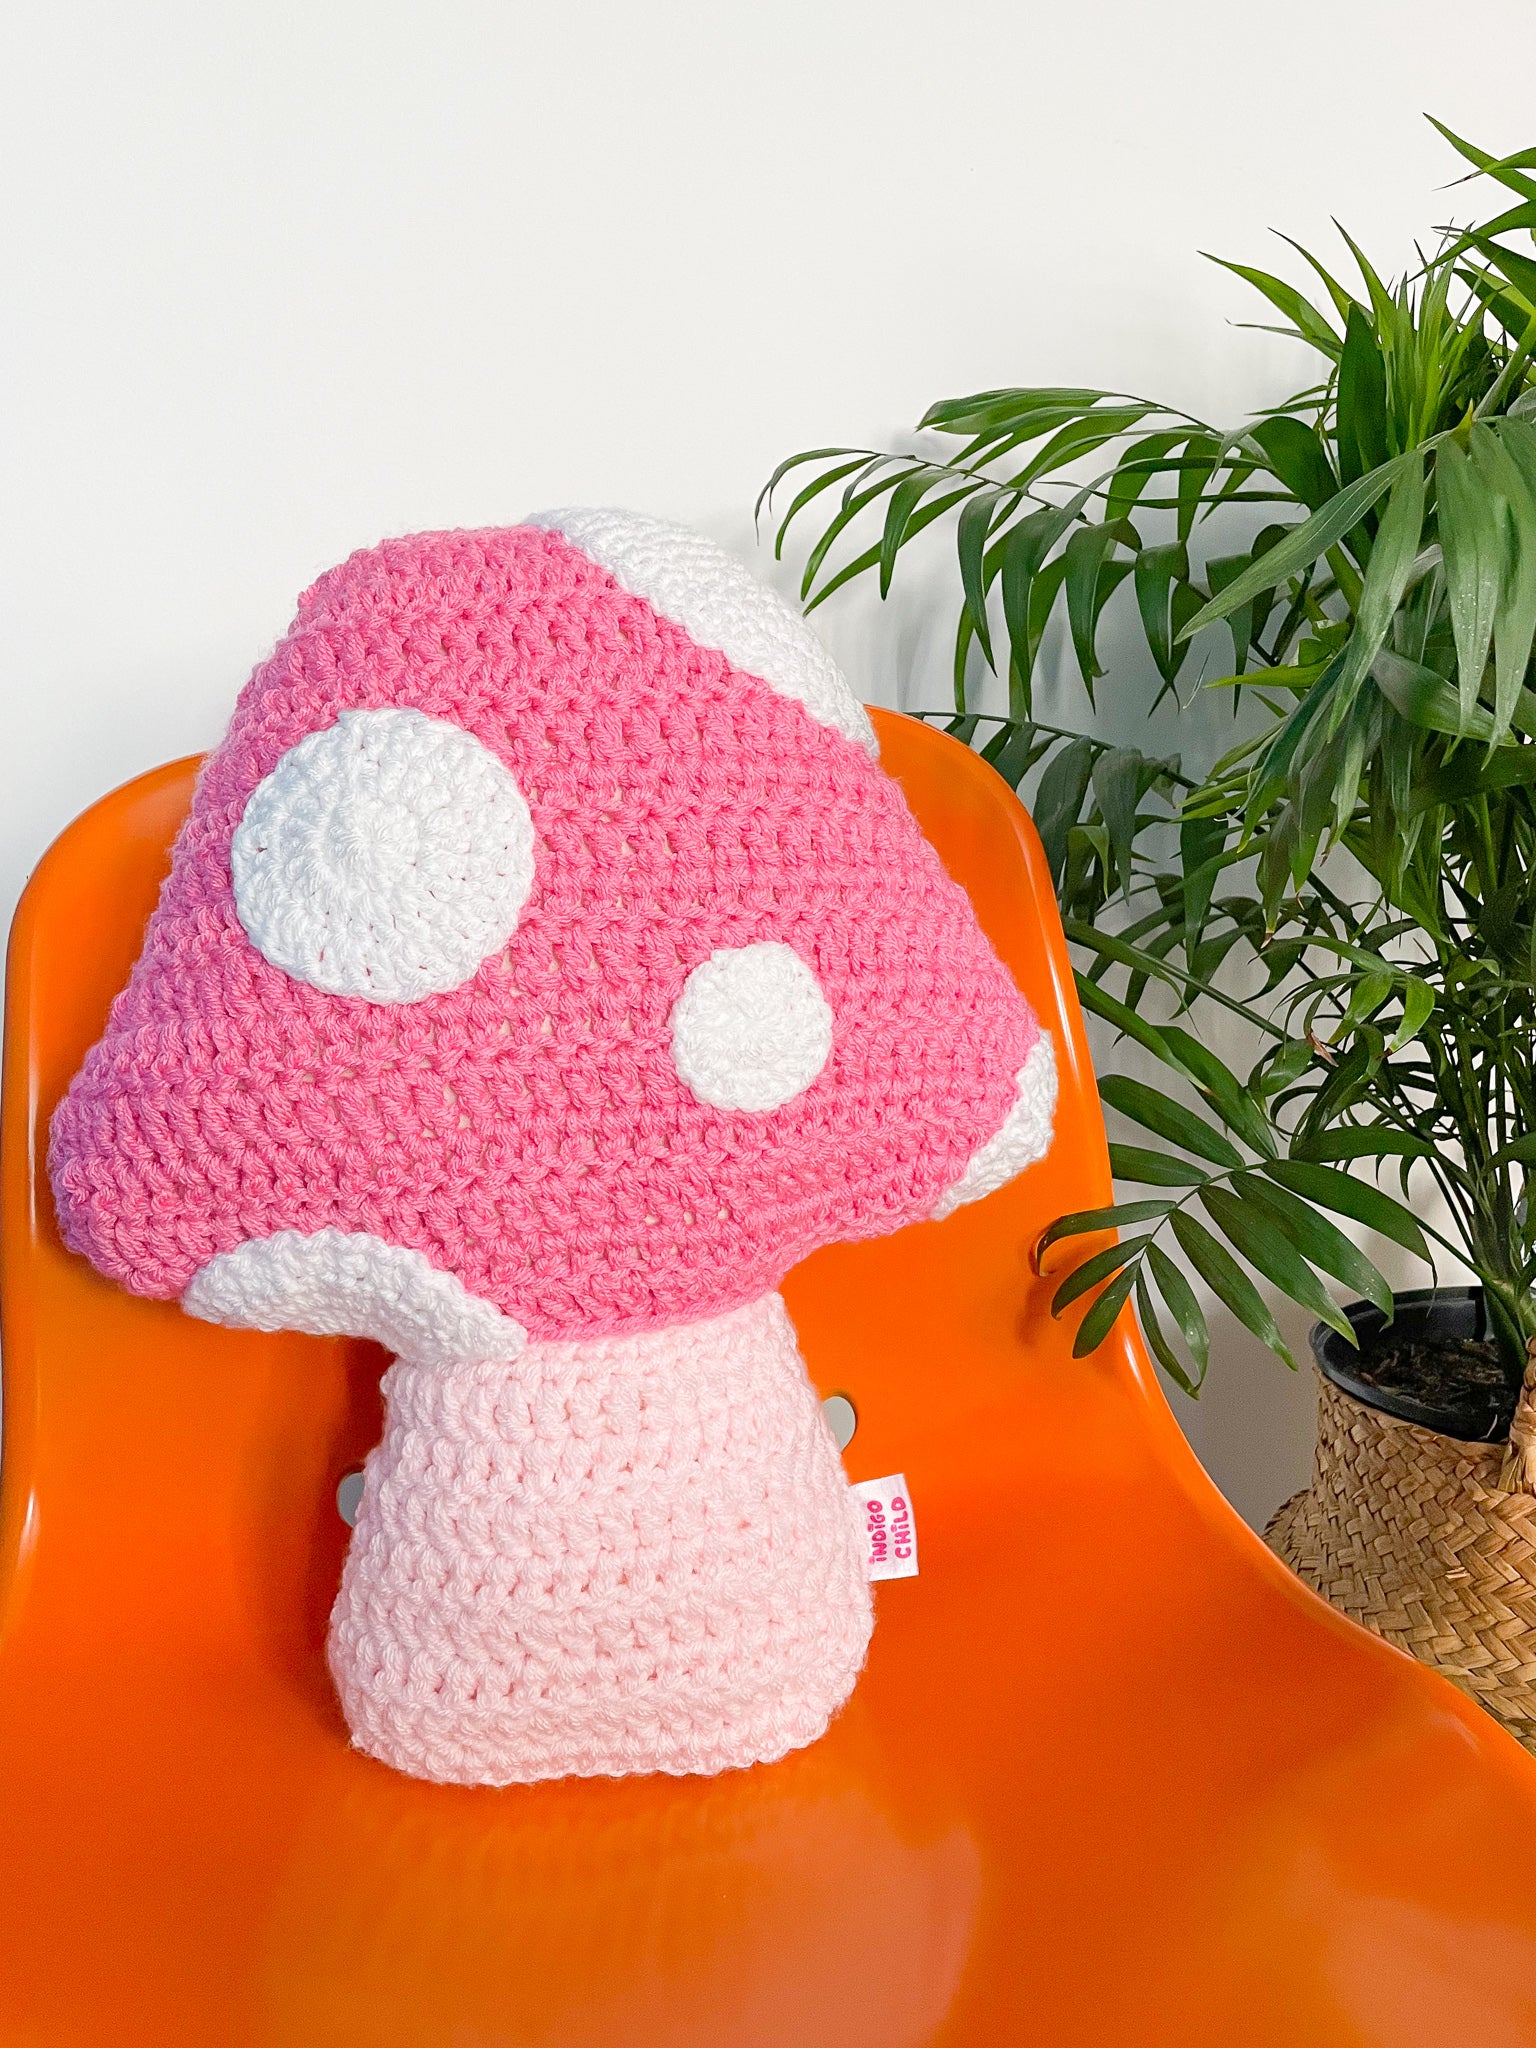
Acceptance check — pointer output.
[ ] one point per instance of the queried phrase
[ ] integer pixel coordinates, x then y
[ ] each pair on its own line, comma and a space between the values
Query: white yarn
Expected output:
751, 1029
338, 1283
385, 857
1024, 1137
715, 599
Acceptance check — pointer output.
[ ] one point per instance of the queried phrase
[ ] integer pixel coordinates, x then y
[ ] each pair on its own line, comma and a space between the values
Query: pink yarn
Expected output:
634, 1555
627, 1544
528, 1132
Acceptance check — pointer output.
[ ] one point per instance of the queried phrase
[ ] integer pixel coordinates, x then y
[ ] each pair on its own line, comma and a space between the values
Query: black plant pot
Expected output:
1480, 1415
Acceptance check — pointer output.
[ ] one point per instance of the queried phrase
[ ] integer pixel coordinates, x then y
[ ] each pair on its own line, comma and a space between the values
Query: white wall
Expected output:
287, 277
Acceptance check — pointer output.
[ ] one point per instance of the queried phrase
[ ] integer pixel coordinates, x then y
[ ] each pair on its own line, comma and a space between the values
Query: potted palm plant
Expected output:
1345, 901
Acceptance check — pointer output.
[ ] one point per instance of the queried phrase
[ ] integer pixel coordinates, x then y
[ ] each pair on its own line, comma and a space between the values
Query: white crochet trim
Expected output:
715, 599
336, 1283
1024, 1137
384, 857
751, 1029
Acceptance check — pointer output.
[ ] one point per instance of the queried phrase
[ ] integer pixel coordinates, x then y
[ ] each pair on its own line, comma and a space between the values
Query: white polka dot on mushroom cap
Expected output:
386, 856
336, 1283
751, 1029
718, 603
1024, 1136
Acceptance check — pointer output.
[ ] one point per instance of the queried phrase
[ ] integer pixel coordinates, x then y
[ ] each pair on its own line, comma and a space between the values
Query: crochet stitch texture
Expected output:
533, 986
659, 1481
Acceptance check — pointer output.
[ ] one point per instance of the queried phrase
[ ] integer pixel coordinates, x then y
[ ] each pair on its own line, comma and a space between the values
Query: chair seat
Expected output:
1071, 1801
1111, 1775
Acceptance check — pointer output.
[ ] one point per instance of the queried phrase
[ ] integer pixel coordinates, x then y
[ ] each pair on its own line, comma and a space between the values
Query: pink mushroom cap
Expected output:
555, 1130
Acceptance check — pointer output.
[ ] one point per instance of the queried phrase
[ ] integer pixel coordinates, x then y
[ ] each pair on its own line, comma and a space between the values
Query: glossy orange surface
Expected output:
1111, 1775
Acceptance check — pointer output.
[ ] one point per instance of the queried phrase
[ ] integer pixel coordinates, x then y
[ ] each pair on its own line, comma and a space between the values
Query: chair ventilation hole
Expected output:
349, 1496
842, 1419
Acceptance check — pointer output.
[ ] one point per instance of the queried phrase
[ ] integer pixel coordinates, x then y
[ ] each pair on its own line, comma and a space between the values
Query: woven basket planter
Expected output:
1419, 1537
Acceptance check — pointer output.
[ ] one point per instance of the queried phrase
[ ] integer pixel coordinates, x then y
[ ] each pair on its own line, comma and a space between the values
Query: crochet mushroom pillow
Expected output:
545, 967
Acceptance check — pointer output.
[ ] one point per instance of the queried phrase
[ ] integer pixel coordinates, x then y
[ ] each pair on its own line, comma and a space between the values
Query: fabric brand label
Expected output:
889, 1526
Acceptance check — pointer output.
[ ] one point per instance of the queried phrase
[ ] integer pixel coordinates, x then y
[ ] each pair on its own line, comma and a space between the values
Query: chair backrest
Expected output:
162, 1473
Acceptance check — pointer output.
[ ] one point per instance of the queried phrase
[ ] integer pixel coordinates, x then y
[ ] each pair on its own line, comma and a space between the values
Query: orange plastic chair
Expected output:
1112, 1776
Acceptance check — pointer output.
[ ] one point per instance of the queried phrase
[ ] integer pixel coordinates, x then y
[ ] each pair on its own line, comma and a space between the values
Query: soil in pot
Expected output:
1463, 1375
1434, 1365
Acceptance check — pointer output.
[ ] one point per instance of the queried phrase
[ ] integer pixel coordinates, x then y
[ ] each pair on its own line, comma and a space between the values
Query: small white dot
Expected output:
751, 1029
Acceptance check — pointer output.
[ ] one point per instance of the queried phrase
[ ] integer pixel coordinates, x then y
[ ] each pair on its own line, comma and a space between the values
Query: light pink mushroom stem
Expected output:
638, 1553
